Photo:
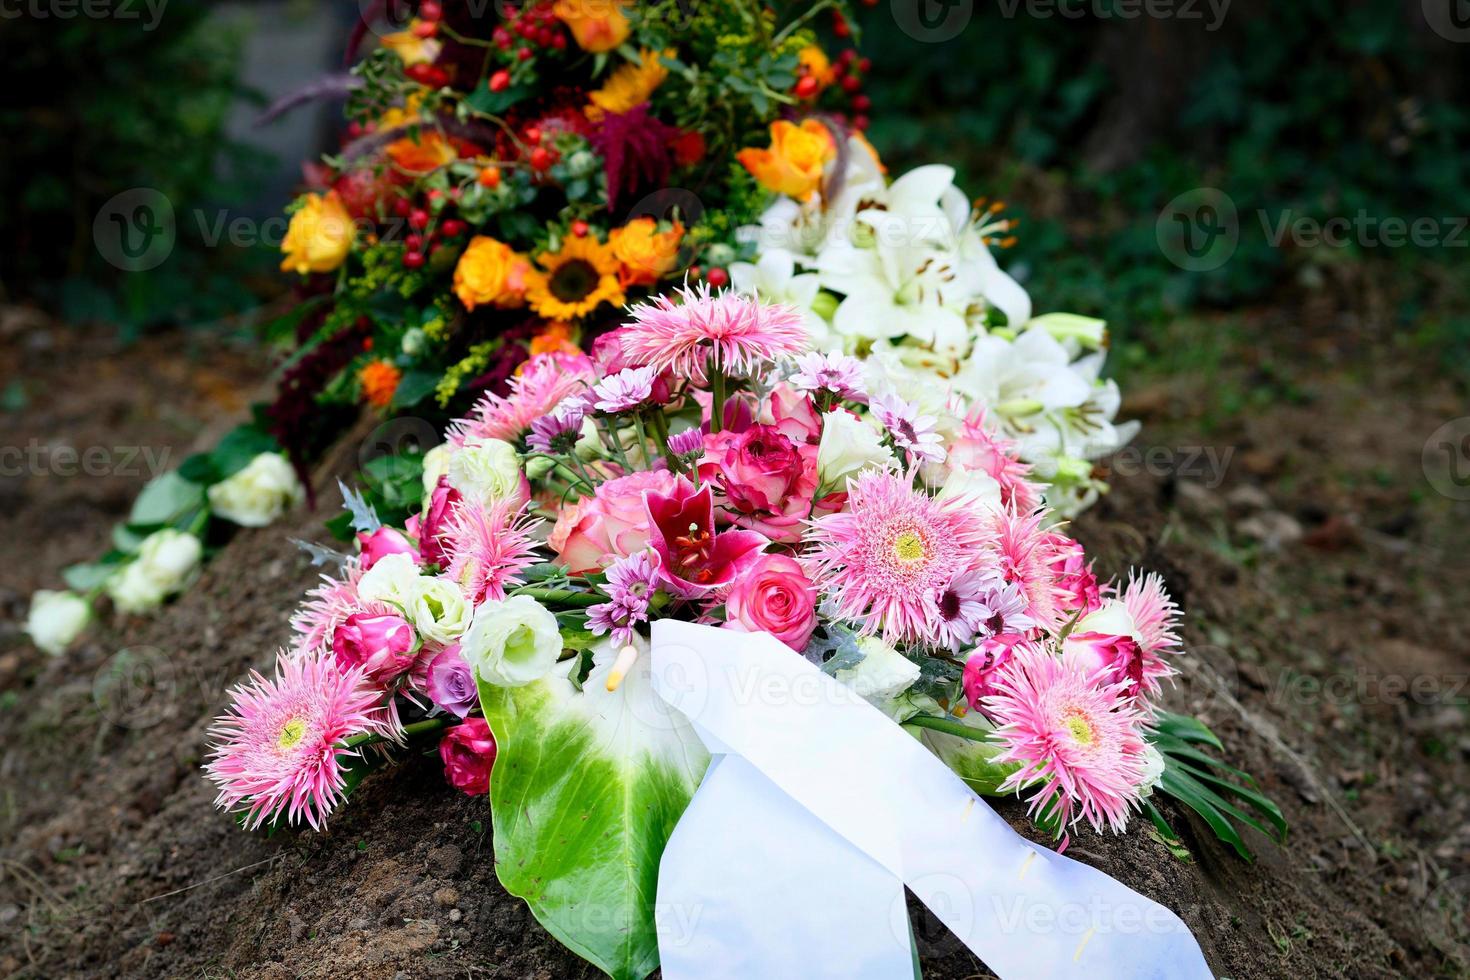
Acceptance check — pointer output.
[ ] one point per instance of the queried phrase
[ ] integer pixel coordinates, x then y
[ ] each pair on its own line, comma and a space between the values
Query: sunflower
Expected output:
579, 277
630, 85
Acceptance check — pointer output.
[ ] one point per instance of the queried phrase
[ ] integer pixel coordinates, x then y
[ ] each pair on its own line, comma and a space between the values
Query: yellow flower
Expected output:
423, 155
410, 48
579, 277
629, 86
596, 25
490, 272
319, 236
645, 253
793, 164
817, 65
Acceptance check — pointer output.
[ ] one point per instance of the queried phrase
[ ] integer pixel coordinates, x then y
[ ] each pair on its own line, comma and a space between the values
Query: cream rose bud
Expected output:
56, 619
848, 446
512, 642
883, 672
1153, 769
258, 494
436, 464
393, 578
487, 469
169, 557
133, 591
437, 608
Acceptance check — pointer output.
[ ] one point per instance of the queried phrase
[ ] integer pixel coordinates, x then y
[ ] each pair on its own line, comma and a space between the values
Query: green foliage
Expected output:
97, 106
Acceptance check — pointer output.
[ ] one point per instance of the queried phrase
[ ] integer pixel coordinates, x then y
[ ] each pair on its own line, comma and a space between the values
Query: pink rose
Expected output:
984, 666
794, 414
775, 597
383, 542
382, 645
1111, 658
1074, 575
768, 480
436, 516
611, 524
468, 751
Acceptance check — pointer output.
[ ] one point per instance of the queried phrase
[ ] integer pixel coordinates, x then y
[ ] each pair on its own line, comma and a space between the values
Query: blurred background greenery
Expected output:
1084, 116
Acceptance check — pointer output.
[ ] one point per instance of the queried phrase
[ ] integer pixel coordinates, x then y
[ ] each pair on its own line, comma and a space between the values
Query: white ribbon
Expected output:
817, 810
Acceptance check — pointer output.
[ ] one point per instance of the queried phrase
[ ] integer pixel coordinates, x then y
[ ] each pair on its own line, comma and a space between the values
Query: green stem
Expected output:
948, 727
641, 436
409, 732
717, 402
569, 597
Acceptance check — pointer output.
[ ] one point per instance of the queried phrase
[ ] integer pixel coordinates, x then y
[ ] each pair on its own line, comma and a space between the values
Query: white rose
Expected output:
393, 578
437, 608
977, 490
486, 469
258, 494
849, 445
132, 590
882, 674
1153, 769
436, 464
56, 619
511, 643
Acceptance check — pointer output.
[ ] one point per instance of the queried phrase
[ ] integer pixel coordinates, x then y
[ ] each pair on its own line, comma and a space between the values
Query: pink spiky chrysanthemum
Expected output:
488, 546
884, 561
1082, 742
1022, 551
736, 332
328, 605
543, 382
977, 448
277, 752
1156, 618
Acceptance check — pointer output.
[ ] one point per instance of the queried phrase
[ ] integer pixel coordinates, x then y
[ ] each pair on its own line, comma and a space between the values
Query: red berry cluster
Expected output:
527, 29
426, 26
849, 70
424, 237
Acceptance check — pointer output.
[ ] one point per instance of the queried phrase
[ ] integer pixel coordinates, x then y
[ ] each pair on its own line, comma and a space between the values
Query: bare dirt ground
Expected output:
1323, 579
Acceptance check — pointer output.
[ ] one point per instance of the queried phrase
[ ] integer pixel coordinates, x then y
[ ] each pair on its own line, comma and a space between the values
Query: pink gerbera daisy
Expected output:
328, 605
1156, 618
543, 382
885, 561
278, 753
1080, 744
488, 546
734, 332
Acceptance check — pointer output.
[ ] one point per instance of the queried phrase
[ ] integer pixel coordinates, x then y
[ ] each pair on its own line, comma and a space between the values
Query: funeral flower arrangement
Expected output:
704, 463
511, 177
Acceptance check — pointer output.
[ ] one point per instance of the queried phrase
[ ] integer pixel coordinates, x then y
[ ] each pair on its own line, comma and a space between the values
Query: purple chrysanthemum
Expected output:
911, 432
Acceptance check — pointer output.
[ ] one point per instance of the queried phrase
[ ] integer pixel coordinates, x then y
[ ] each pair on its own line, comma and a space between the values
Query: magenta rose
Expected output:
1074, 575
468, 751
435, 520
382, 645
451, 683
1111, 658
383, 542
767, 479
985, 665
611, 524
774, 596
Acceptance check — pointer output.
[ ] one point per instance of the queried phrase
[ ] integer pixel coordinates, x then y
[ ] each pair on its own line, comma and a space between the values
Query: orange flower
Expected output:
427, 153
596, 25
793, 165
554, 338
817, 65
379, 380
644, 253
490, 272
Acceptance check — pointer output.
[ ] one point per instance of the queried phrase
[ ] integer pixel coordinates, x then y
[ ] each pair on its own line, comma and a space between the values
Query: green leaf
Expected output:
1186, 729
414, 387
165, 499
495, 103
586, 789
88, 575
238, 448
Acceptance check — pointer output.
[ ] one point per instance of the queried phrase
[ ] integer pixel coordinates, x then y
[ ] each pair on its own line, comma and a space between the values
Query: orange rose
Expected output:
490, 271
793, 165
319, 236
423, 155
645, 254
596, 25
